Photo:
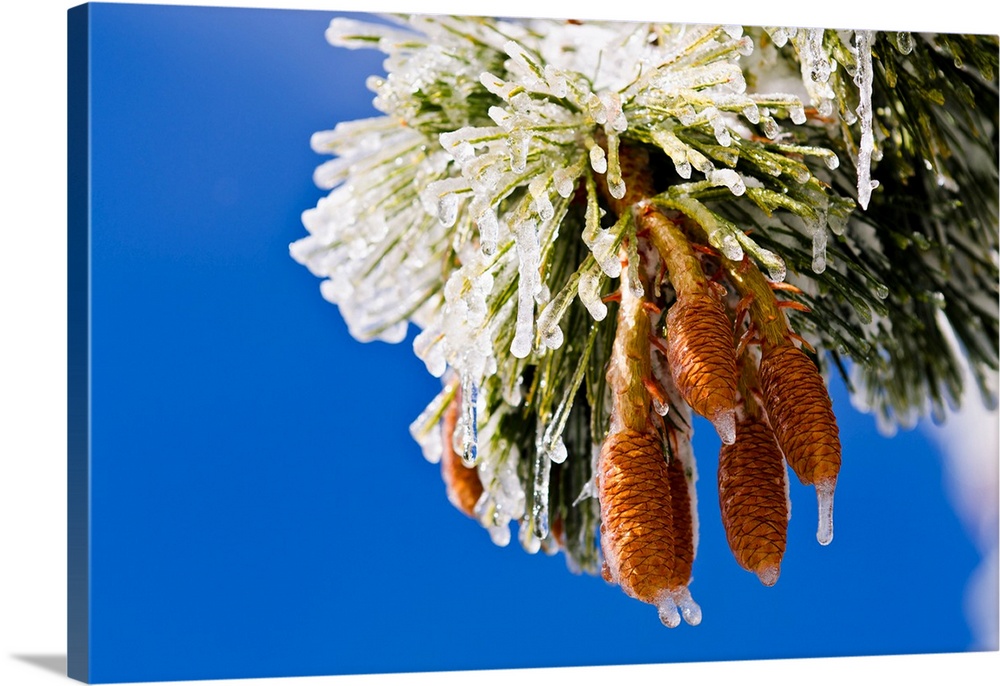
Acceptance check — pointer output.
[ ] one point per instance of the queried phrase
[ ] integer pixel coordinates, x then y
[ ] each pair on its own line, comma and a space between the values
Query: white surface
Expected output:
33, 350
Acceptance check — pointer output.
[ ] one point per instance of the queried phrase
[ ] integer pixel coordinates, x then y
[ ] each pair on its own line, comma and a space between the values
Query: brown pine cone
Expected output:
800, 413
680, 501
637, 532
754, 500
461, 483
702, 359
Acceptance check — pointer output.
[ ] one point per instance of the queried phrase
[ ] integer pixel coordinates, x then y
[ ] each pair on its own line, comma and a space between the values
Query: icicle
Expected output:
540, 494
863, 80
818, 247
615, 183
824, 498
528, 285
470, 421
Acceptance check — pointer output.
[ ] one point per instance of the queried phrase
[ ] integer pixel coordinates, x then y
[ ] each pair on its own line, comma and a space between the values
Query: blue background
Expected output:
258, 507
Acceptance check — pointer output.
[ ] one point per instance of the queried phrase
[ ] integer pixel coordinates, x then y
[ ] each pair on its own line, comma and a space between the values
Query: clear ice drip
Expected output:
540, 492
824, 499
470, 421
863, 80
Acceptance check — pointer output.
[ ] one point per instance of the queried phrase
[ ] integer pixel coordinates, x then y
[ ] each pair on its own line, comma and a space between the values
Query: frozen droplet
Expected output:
604, 253
489, 229
690, 610
447, 209
559, 453
555, 80
769, 575
519, 143
667, 610
500, 535
831, 161
770, 126
661, 408
616, 186
729, 178
824, 499
589, 290
526, 536
598, 161
797, 114
882, 292
776, 270
904, 42
552, 337
725, 425
731, 248
778, 36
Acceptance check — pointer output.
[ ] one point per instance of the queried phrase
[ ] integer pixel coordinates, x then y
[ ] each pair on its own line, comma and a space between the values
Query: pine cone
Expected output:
754, 500
637, 534
702, 358
800, 413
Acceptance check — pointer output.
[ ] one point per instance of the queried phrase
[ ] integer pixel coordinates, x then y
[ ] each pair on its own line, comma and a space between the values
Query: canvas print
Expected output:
649, 290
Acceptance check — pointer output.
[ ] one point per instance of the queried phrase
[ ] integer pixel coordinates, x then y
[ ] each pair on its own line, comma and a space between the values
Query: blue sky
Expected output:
259, 508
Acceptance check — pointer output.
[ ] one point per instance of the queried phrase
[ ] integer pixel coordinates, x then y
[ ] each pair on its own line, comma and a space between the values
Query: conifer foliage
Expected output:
600, 229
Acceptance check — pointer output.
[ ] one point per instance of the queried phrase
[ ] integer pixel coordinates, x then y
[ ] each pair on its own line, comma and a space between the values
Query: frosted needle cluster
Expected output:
602, 232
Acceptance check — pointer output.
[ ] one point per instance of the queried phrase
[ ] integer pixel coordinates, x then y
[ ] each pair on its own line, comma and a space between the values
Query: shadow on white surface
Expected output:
50, 663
